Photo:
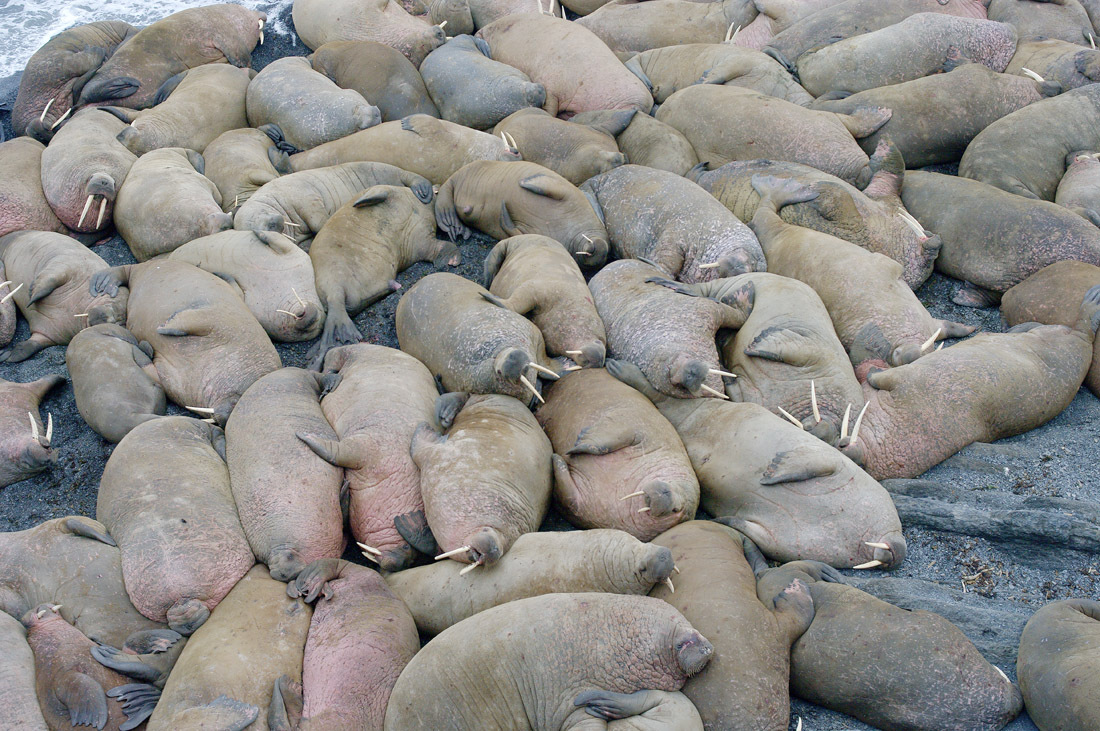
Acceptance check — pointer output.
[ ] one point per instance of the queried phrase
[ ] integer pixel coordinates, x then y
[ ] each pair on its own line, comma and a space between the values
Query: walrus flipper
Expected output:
124, 663
151, 641
223, 713
285, 711
613, 706
187, 323
78, 527
108, 281
604, 437
796, 466
167, 88
83, 698
447, 406
791, 345
138, 701
329, 450
414, 528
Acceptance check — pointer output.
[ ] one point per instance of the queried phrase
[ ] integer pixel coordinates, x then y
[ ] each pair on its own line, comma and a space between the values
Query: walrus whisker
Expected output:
453, 552
712, 265
813, 401
646, 509
61, 119
469, 568
572, 368
42, 117
1002, 672
859, 422
34, 426
793, 420
1031, 74
721, 373
671, 588
532, 389
931, 341
370, 549
715, 392
102, 210
844, 422
199, 409
87, 205
633, 494
49, 429
874, 544
545, 371
288, 312
11, 294
870, 565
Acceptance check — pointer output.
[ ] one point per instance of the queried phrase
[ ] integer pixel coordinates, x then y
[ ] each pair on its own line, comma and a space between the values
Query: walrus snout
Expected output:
367, 115
40, 614
37, 457
657, 564
486, 546
511, 363
693, 652
308, 317
739, 262
535, 94
40, 131
610, 160
688, 373
905, 354
187, 615
217, 222
100, 184
826, 430
660, 499
888, 551
592, 355
284, 564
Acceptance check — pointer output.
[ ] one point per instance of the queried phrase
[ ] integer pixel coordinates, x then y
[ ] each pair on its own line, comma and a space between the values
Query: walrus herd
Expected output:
701, 305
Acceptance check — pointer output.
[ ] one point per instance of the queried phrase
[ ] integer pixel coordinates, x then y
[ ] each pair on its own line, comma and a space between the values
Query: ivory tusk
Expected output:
87, 205
55, 607
939, 347
34, 426
671, 588
584, 253
844, 422
370, 557
572, 368
675, 568
719, 394
870, 565
300, 300
369, 549
291, 223
61, 119
644, 510
813, 401
633, 494
713, 265
260, 23
541, 11
532, 389
913, 223
568, 352
545, 371
82, 314
288, 312
199, 409
876, 544
49, 429
452, 552
729, 34
208, 421
469, 568
11, 294
859, 421
1031, 74
721, 373
793, 420
930, 341
102, 210
512, 141
1092, 42
799, 726
442, 25
1002, 672
42, 118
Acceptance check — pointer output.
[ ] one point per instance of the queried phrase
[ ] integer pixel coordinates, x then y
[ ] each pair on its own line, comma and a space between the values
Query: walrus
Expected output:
360, 639
1058, 62
207, 346
1063, 20
478, 502
193, 110
776, 16
23, 205
470, 88
273, 276
645, 141
952, 688
509, 199
992, 253
1024, 152
1057, 650
167, 203
599, 560
422, 145
318, 22
228, 670
617, 462
1050, 296
638, 27
1079, 189
726, 123
663, 218
921, 414
605, 652
668, 336
55, 301
55, 75
115, 384
25, 447
21, 709
380, 73
237, 163
483, 12
182, 544
574, 151
534, 276
8, 313
298, 204
83, 169
773, 482
308, 107
135, 72
579, 72
288, 500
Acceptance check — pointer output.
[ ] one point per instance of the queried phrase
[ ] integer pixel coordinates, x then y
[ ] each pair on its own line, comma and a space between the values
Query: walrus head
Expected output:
41, 614
486, 546
656, 565
887, 552
535, 94
688, 373
590, 355
693, 651
510, 364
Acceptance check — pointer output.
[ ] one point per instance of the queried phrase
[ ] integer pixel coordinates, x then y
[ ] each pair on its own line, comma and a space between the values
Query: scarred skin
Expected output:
509, 199
56, 271
360, 639
952, 688
663, 218
208, 348
579, 72
921, 44
726, 123
167, 203
182, 544
1057, 654
114, 382
636, 27
510, 673
21, 709
380, 73
1079, 190
288, 499
23, 205
1064, 20
237, 164
921, 414
318, 22
22, 454
610, 445
183, 40
423, 145
775, 17
668, 336
605, 561
672, 68
994, 252
58, 71
793, 495
534, 276
1066, 64
645, 141
574, 151
272, 275
85, 160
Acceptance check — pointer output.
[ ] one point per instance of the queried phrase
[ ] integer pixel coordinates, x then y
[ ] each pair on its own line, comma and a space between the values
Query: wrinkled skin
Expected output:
484, 12
1057, 654
635, 27
17, 674
1079, 190
953, 687
288, 499
574, 151
207, 346
579, 72
1024, 152
599, 560
672, 68
114, 382
228, 669
456, 14
24, 448
132, 76
83, 168
318, 22
1064, 20
167, 203
476, 497
617, 462
793, 495
1065, 64
272, 275
23, 205
645, 141
921, 414
423, 145
508, 667
55, 300
992, 239
726, 123
775, 17
472, 89
57, 73
663, 218
8, 314
668, 336
1050, 296
237, 163
381, 74
534, 276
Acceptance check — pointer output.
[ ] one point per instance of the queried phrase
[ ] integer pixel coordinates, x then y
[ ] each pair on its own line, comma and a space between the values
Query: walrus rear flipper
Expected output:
83, 698
78, 527
612, 706
285, 711
223, 713
117, 88
138, 701
275, 134
447, 406
414, 528
151, 641
971, 295
167, 88
107, 281
125, 663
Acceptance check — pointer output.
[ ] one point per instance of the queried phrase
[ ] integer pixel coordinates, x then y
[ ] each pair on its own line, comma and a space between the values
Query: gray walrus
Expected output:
380, 73
636, 27
318, 22
1065, 20
776, 16
1066, 64
574, 151
237, 163
1057, 652
23, 204
1079, 189
17, 674
24, 439
645, 141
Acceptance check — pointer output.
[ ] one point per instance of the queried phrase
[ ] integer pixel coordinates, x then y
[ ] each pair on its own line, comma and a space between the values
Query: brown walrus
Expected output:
574, 151
23, 205
645, 141
380, 73
24, 441
318, 22
21, 709
237, 163
1057, 654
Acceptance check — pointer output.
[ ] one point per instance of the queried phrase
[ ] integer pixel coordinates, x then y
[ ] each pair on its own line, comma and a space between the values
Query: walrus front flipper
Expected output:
83, 698
138, 701
108, 281
783, 345
117, 88
312, 581
187, 323
24, 349
605, 437
414, 528
613, 706
447, 406
632, 376
223, 713
797, 466
124, 663
151, 641
446, 216
167, 88
78, 527
865, 121
285, 711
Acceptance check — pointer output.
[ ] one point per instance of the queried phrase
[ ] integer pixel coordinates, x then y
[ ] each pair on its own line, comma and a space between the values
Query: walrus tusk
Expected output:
288, 312
870, 565
102, 210
799, 726
721, 373
291, 223
844, 422
633, 494
793, 420
369, 549
42, 118
87, 205
300, 301
532, 389
643, 510
199, 409
719, 394
675, 568
452, 552
469, 568
568, 352
939, 347
49, 429
40, 613
11, 294
913, 223
813, 401
859, 421
931, 341
260, 23
1002, 672
541, 11
670, 586
1092, 42
1031, 74
82, 314
584, 253
208, 421
874, 544
713, 265
61, 119
34, 427
369, 557
731, 33
572, 368
512, 141
55, 607
504, 139
545, 371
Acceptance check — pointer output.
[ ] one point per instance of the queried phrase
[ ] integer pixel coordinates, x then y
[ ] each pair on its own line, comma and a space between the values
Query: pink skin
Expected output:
23, 206
21, 454
756, 34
